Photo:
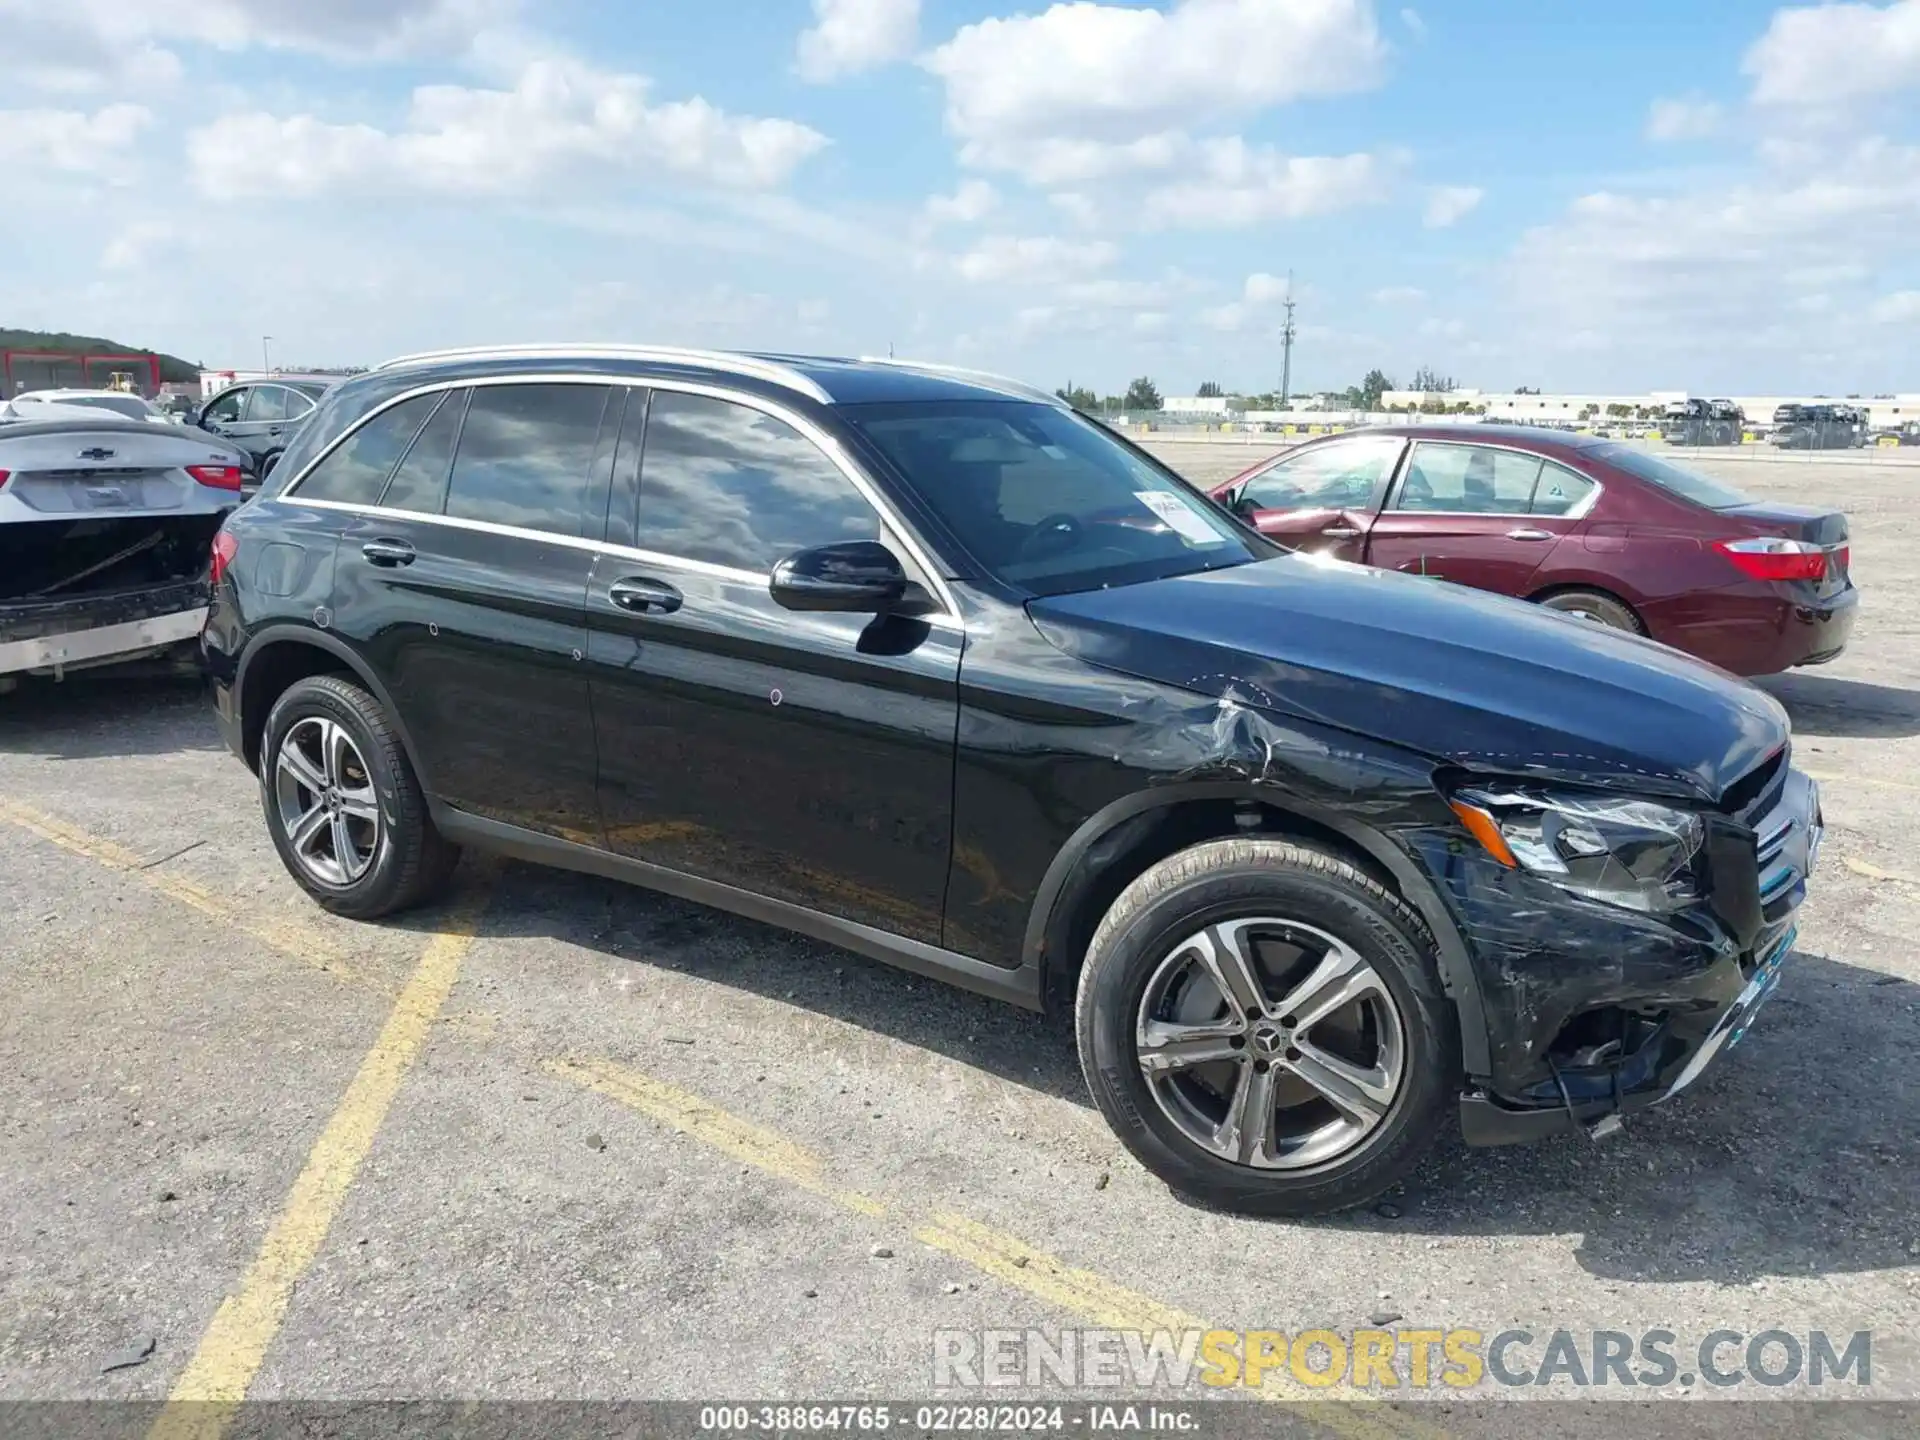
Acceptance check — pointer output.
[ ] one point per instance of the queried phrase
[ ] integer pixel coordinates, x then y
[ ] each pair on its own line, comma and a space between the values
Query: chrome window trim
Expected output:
890, 521
739, 364
1578, 512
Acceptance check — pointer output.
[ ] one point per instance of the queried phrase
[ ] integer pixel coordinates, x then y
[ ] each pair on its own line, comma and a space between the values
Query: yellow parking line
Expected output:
709, 1124
204, 1399
291, 937
1082, 1293
202, 1402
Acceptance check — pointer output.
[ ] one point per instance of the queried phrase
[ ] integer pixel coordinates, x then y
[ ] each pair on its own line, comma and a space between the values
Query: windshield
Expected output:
1050, 502
1687, 484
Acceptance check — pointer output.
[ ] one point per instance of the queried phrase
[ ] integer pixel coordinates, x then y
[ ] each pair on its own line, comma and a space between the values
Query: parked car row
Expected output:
928, 665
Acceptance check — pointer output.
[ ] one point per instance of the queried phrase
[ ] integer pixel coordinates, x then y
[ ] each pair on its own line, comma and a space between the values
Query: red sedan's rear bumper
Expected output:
1755, 628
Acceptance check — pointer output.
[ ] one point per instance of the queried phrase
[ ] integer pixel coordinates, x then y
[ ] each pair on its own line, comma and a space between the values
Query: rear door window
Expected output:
525, 455
1559, 490
356, 470
1467, 480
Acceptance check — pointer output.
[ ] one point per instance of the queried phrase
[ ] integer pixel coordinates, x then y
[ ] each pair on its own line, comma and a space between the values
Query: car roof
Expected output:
74, 394
1536, 437
823, 379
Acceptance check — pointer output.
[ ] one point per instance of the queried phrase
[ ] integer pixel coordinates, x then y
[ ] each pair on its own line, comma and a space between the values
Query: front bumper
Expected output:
1593, 1011
56, 636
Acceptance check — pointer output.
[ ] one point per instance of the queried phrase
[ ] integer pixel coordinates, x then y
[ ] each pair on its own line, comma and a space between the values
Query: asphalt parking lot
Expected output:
566, 1139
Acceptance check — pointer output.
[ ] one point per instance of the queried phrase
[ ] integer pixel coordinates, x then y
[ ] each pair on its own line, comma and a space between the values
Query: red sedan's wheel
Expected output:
1601, 608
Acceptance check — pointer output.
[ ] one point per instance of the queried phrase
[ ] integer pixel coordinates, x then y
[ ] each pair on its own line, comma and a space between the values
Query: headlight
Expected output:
1626, 852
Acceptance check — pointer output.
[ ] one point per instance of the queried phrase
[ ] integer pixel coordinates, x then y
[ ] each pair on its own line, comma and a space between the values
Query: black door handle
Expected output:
388, 552
644, 596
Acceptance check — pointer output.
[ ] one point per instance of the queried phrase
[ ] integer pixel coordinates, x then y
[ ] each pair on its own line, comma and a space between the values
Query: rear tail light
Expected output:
225, 547
3, 478
217, 477
1773, 557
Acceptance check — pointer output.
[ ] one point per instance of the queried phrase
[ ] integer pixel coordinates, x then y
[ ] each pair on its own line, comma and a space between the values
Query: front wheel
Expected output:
1263, 1026
343, 805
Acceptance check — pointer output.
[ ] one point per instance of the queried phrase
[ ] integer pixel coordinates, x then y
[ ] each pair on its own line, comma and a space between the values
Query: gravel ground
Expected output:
650, 1151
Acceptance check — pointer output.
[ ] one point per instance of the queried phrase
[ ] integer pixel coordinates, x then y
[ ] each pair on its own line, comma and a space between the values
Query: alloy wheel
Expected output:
326, 801
1270, 1043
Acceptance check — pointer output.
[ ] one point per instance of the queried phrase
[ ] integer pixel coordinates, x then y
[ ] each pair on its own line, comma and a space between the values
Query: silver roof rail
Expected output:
985, 378
730, 361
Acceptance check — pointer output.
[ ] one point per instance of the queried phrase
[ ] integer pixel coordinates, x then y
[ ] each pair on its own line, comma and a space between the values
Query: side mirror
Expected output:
1238, 502
860, 577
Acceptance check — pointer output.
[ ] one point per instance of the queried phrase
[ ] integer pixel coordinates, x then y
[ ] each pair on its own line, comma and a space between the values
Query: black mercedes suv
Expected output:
925, 664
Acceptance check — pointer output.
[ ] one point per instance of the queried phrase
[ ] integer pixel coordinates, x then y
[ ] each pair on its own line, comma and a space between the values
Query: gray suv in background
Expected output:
260, 417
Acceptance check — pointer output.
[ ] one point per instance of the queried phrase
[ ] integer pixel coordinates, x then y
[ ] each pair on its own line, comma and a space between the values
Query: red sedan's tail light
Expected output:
1773, 557
3, 478
225, 547
217, 477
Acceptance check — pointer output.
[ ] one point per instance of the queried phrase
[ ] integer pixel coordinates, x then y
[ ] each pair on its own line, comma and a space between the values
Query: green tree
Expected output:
1429, 381
1210, 390
1142, 394
1079, 397
1372, 389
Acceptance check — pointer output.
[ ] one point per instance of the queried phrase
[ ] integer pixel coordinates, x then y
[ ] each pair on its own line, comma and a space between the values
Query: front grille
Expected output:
1756, 792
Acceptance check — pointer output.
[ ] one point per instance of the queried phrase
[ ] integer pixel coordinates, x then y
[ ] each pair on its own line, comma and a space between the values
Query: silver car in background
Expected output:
106, 535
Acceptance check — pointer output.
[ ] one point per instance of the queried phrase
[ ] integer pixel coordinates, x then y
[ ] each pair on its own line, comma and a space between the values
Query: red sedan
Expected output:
1603, 529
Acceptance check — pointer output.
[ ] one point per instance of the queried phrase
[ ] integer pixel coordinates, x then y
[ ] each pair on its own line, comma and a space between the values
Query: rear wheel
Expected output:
343, 805
1263, 1026
1598, 606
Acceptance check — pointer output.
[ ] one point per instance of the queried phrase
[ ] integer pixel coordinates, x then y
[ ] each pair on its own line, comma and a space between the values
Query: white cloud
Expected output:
1264, 289
1900, 308
1228, 183
92, 46
968, 205
1226, 318
134, 245
1410, 18
1398, 295
70, 140
560, 115
1033, 258
1683, 119
1447, 204
1718, 277
851, 36
1048, 95
1831, 55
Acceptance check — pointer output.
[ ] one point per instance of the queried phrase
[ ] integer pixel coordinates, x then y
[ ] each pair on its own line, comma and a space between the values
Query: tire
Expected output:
1597, 606
1275, 891
391, 857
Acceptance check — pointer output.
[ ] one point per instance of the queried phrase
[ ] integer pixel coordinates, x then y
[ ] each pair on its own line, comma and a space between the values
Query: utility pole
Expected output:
266, 365
1286, 346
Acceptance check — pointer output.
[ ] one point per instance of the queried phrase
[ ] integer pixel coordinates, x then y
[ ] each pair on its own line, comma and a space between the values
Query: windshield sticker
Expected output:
1189, 526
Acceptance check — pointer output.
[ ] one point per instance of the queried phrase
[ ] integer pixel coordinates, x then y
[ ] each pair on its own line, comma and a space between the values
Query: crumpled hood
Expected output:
1472, 679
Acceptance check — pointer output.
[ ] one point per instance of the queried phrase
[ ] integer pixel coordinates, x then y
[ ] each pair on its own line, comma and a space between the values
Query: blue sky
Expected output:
1717, 197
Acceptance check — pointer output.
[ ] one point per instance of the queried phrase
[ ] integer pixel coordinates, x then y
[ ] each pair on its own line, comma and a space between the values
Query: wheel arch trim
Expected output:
286, 636
1457, 975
